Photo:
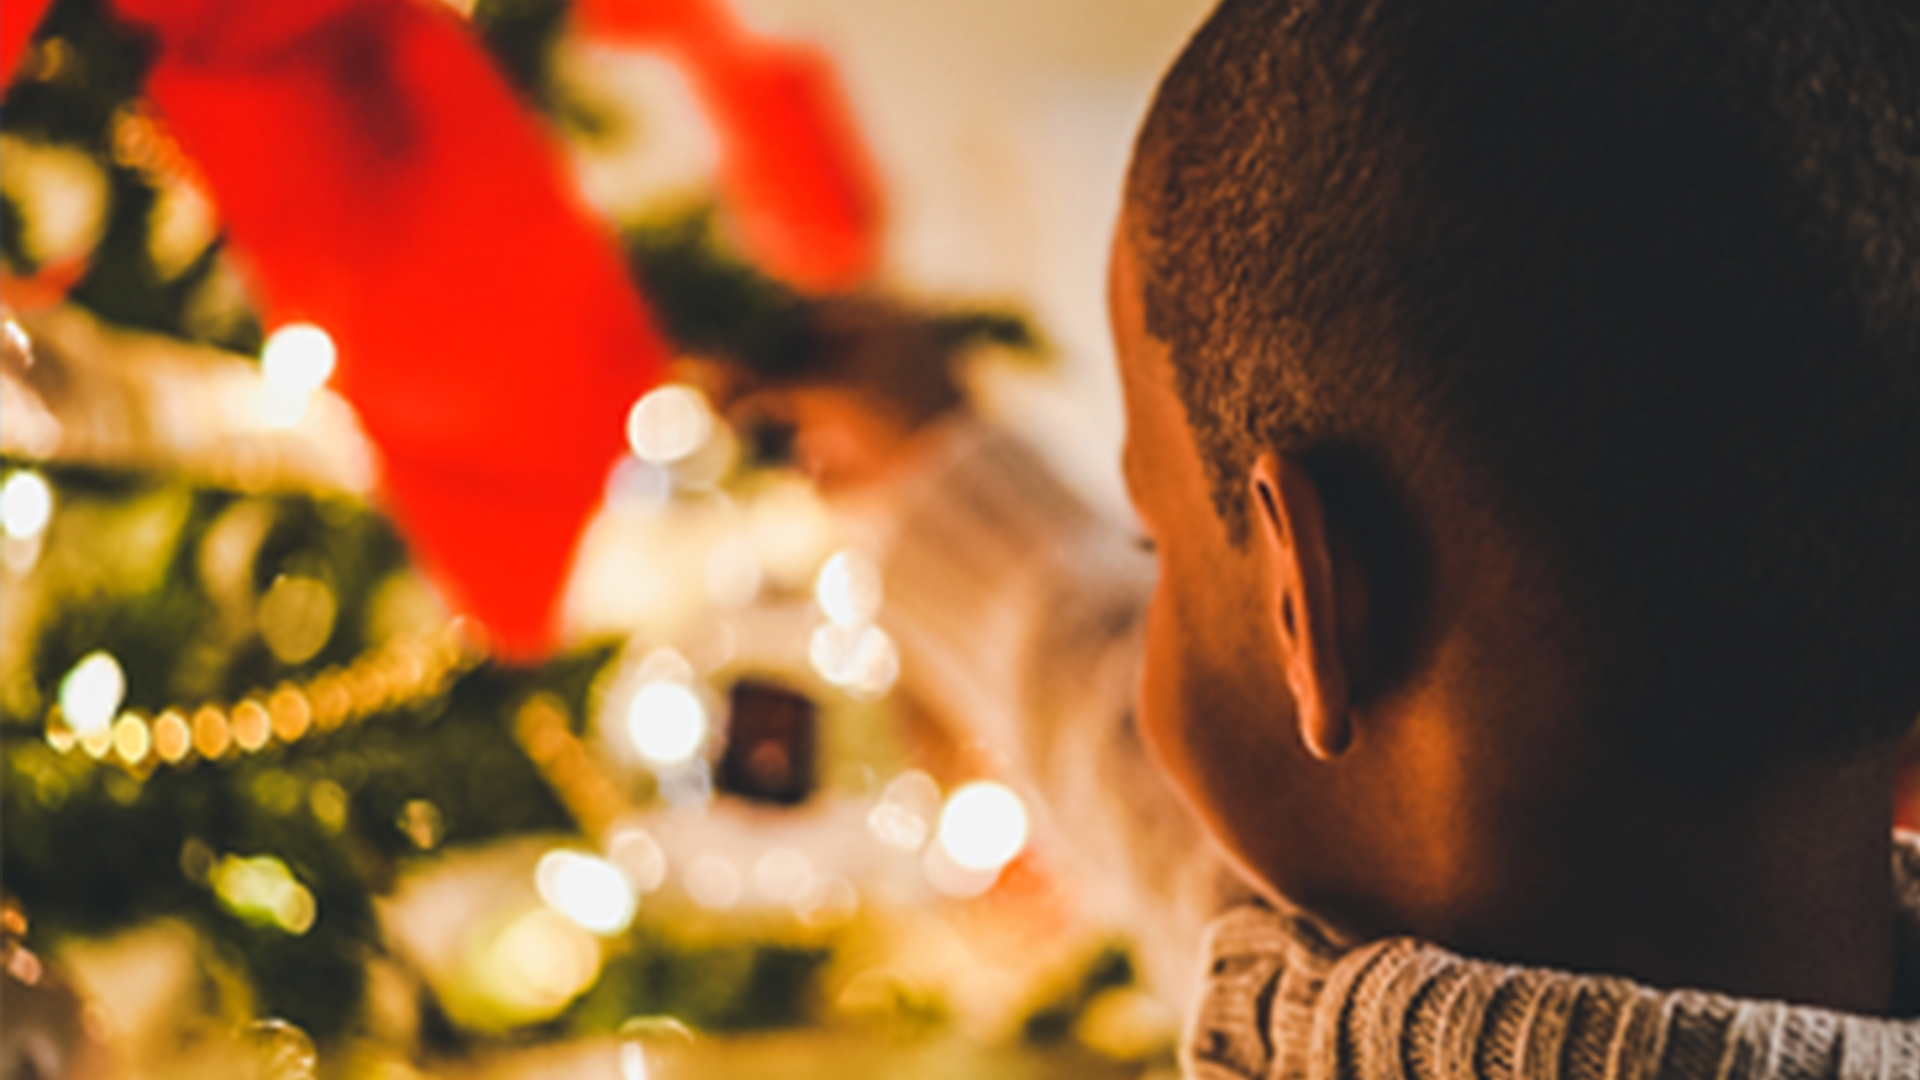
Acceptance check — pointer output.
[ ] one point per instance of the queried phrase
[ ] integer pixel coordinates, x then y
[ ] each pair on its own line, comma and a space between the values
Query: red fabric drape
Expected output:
381, 180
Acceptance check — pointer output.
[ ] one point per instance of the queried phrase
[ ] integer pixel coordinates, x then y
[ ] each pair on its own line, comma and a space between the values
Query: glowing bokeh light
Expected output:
983, 826
848, 589
296, 617
297, 359
860, 659
591, 891
639, 856
26, 505
211, 735
132, 740
172, 738
668, 424
541, 961
252, 728
91, 694
667, 723
263, 891
904, 815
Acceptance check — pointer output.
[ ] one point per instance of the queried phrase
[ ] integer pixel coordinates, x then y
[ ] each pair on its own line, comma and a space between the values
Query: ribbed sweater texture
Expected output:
1281, 1003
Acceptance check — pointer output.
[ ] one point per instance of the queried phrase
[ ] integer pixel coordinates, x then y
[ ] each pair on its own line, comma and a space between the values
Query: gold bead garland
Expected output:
392, 675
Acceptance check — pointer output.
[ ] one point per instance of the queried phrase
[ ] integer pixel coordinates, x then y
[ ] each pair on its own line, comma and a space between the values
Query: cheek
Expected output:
1190, 701
1215, 714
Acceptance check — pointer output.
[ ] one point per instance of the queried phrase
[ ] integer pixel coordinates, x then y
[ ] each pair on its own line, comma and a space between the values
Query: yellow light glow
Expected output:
590, 891
667, 723
251, 725
983, 826
298, 359
97, 743
26, 505
296, 617
647, 1039
263, 891
848, 589
211, 735
91, 693
59, 735
292, 714
668, 424
541, 961
172, 738
131, 739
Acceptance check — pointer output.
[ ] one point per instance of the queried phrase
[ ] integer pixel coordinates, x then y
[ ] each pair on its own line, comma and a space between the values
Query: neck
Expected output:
1781, 890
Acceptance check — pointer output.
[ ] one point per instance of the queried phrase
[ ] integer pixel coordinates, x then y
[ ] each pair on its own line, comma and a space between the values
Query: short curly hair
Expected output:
1649, 270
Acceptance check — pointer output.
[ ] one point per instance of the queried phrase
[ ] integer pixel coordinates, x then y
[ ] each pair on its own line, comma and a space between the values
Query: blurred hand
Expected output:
876, 373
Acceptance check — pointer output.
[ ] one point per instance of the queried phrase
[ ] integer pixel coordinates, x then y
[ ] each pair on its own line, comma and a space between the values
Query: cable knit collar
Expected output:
1280, 1002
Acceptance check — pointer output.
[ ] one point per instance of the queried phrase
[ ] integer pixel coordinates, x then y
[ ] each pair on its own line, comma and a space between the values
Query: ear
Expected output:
1305, 603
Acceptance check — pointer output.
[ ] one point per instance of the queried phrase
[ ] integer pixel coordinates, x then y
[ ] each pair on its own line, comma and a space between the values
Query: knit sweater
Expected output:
1018, 611
1281, 1003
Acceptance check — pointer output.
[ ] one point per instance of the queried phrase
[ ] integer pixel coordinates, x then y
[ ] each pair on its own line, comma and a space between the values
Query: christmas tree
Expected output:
242, 726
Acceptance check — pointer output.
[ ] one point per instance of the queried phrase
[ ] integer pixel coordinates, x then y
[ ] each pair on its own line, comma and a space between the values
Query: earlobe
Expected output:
1303, 600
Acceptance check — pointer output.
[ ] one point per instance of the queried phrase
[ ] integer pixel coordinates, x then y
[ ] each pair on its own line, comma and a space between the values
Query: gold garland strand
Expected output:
393, 675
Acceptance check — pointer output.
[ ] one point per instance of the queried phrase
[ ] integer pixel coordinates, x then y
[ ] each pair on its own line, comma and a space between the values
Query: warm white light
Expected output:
848, 589
713, 882
298, 359
639, 856
983, 826
667, 723
26, 505
541, 961
861, 659
903, 818
589, 890
669, 424
91, 693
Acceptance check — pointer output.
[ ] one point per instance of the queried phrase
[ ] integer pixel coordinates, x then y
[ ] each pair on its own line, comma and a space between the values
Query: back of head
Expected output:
1648, 270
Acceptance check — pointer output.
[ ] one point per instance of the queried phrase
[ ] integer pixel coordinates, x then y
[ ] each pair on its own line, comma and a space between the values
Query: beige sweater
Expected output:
1280, 1002
1017, 612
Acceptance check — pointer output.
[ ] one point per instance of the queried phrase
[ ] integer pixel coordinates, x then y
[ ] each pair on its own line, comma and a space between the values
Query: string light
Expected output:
848, 589
26, 504
589, 890
131, 738
668, 424
983, 826
667, 723
391, 676
296, 361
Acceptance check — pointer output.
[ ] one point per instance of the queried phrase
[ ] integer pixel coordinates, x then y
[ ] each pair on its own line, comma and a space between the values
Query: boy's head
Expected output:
1587, 337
